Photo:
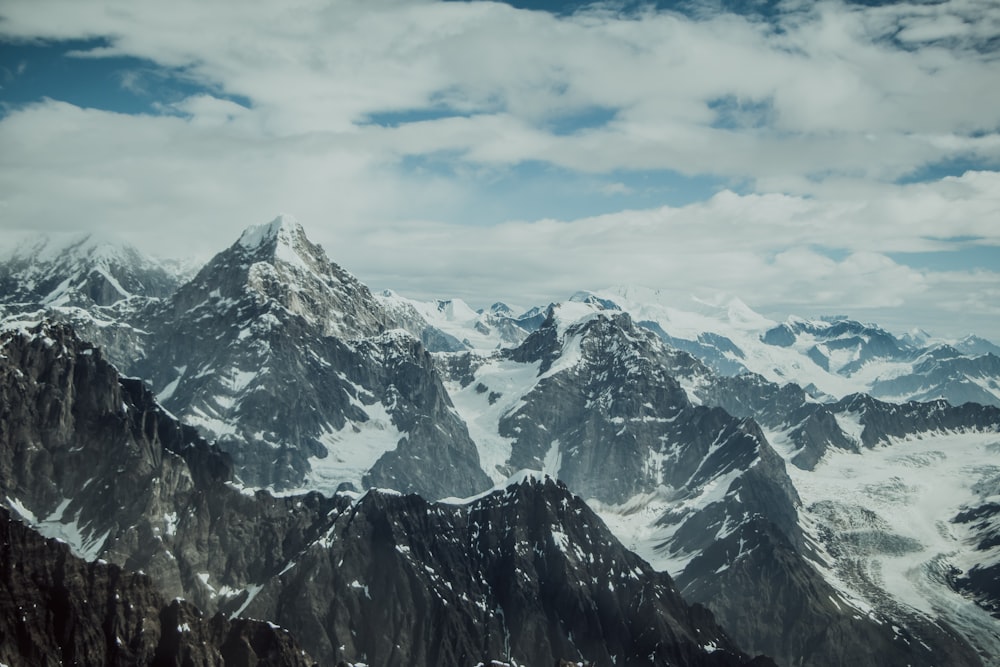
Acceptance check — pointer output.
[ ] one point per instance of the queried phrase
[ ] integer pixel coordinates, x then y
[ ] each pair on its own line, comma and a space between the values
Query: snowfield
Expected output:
891, 509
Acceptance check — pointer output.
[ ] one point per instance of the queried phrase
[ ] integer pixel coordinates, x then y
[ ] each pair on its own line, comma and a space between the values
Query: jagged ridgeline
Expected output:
285, 445
527, 572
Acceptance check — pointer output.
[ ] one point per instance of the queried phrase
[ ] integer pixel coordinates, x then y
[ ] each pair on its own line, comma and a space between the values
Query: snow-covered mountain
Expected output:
831, 358
287, 361
750, 460
100, 286
452, 325
80, 270
601, 403
526, 572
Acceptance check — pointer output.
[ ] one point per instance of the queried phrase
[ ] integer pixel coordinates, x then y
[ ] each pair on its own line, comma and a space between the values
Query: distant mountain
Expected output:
100, 286
82, 271
593, 399
831, 358
976, 346
452, 325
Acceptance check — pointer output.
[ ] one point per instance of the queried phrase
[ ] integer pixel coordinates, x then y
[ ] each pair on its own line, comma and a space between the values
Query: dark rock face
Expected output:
388, 579
781, 336
281, 355
528, 573
58, 394
58, 609
883, 421
823, 633
620, 423
607, 408
86, 453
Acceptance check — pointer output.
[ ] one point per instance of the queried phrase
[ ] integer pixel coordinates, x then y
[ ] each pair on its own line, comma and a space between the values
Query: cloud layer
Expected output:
409, 137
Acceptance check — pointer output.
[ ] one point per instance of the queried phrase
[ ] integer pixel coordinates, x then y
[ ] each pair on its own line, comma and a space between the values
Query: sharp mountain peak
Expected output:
284, 229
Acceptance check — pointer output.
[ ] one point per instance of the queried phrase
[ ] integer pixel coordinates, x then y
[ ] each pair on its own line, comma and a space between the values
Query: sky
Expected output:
809, 158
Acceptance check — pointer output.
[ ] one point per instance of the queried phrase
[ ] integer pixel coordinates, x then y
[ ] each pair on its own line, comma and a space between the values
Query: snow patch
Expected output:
83, 541
496, 391
907, 493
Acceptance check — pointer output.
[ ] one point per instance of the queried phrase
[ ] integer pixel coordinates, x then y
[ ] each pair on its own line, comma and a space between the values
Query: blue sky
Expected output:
806, 157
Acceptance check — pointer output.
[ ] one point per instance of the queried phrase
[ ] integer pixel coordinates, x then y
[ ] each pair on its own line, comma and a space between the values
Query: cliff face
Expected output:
527, 572
57, 609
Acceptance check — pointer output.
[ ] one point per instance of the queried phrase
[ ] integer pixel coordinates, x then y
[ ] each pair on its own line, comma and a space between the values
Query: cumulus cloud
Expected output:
773, 251
339, 111
847, 89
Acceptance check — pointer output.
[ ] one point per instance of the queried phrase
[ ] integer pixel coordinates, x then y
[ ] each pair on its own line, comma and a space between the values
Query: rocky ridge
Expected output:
303, 378
527, 571
56, 608
595, 399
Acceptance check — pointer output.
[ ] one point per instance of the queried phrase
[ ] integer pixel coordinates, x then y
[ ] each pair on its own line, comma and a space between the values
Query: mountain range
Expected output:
609, 479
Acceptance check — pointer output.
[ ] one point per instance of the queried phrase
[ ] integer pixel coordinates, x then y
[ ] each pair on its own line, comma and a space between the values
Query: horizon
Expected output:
805, 158
682, 303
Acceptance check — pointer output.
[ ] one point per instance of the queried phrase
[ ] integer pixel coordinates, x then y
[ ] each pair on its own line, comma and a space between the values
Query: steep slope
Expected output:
527, 572
286, 360
82, 271
56, 608
896, 497
593, 398
99, 286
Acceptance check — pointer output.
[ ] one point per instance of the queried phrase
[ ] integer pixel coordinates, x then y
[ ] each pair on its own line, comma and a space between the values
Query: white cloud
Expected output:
766, 249
818, 116
323, 66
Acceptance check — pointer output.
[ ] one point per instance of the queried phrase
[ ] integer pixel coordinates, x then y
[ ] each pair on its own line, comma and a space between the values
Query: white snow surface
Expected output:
634, 522
453, 317
75, 255
84, 542
284, 228
352, 451
916, 486
730, 317
499, 387
509, 379
572, 313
